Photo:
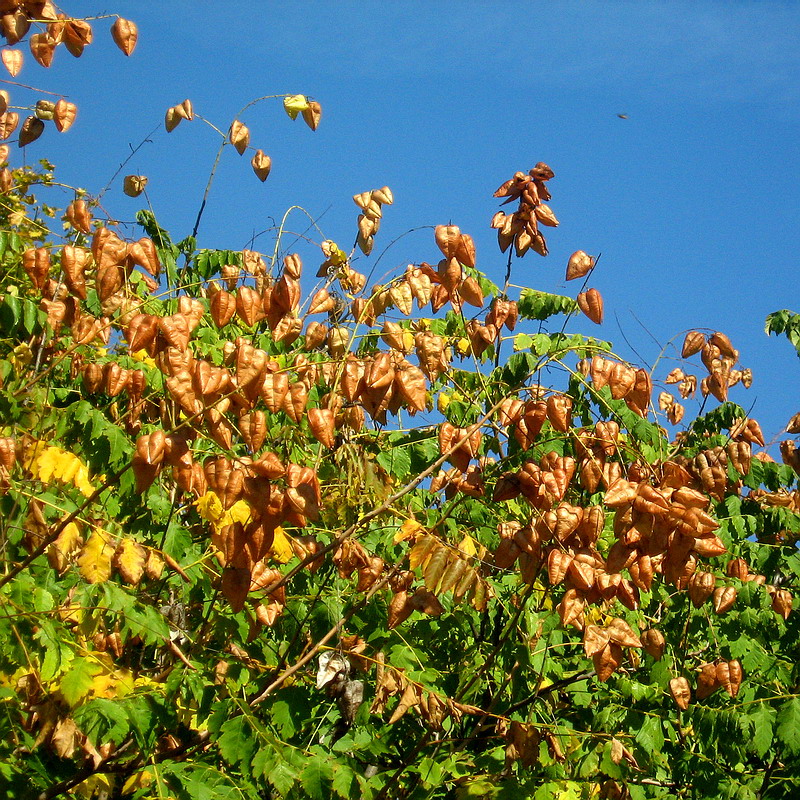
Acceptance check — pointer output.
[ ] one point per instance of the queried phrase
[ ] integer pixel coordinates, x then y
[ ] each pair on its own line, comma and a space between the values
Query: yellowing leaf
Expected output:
281, 549
141, 355
68, 543
53, 463
467, 546
94, 561
138, 780
294, 104
240, 511
209, 507
410, 528
130, 559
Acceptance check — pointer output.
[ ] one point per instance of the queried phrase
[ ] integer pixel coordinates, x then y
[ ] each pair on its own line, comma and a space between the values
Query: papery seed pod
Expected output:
700, 588
321, 421
222, 307
724, 344
692, 343
747, 378
724, 598
591, 303
782, 602
249, 305
653, 643
447, 239
64, 115
125, 35
172, 119
77, 33
729, 676
316, 335
31, 130
239, 136
36, 263
559, 412
43, 48
312, 114
470, 291
675, 413
93, 377
12, 61
14, 24
261, 164
133, 185
78, 215
579, 264
681, 693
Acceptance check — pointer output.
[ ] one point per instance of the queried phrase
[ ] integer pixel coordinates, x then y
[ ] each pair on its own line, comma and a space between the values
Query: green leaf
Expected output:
533, 304
343, 778
396, 461
788, 730
316, 777
282, 777
762, 717
77, 682
236, 744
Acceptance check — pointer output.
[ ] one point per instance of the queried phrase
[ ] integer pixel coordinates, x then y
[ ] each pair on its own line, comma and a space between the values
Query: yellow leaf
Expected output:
409, 529
96, 785
53, 463
294, 104
130, 559
240, 511
94, 561
68, 543
281, 549
209, 507
467, 546
138, 780
141, 355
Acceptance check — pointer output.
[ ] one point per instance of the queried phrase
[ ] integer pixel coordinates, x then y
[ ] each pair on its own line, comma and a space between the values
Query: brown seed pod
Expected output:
692, 343
681, 693
239, 136
591, 303
125, 35
261, 164
579, 264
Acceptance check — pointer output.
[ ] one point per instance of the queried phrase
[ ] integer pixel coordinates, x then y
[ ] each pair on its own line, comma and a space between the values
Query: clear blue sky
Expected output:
692, 200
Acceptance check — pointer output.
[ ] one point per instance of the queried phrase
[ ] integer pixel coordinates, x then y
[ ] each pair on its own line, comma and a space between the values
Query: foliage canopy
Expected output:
265, 537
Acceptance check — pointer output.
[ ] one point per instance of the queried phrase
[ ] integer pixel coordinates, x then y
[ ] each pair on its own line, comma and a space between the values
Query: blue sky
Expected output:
692, 200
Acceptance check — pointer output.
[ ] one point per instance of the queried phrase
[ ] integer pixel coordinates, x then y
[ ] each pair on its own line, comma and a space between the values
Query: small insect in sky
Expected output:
622, 116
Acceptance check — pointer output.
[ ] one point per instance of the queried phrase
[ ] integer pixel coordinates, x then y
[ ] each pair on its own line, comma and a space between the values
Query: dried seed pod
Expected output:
43, 48
261, 164
681, 693
653, 643
239, 136
133, 185
729, 676
591, 303
31, 130
64, 115
12, 61
692, 343
312, 114
125, 35
579, 264
724, 598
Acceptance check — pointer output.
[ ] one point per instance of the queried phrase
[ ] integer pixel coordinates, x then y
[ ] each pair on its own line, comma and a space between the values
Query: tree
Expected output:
260, 546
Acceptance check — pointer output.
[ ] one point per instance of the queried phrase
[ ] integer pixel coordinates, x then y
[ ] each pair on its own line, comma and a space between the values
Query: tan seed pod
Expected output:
172, 119
43, 48
729, 676
239, 136
14, 25
64, 115
321, 421
261, 164
591, 303
692, 343
133, 185
724, 598
12, 61
222, 307
681, 693
312, 114
76, 34
579, 264
653, 643
125, 35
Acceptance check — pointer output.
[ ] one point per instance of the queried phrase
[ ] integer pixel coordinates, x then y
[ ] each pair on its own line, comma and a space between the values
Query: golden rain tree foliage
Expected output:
266, 534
